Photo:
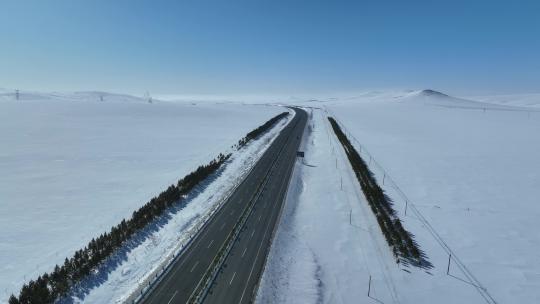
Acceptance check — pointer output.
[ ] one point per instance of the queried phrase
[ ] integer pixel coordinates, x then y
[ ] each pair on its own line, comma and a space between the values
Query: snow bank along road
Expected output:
265, 189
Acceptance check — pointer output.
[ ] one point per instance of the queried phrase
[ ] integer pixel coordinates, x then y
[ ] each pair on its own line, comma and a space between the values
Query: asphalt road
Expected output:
237, 281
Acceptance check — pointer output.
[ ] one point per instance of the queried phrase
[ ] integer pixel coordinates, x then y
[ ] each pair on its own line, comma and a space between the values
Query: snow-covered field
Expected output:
470, 168
127, 272
72, 166
523, 100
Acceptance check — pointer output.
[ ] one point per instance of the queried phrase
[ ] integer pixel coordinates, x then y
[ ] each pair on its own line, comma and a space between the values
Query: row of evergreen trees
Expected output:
400, 240
261, 129
51, 286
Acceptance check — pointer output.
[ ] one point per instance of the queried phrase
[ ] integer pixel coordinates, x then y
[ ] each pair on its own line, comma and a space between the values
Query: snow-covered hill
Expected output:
435, 98
520, 100
525, 103
86, 96
470, 167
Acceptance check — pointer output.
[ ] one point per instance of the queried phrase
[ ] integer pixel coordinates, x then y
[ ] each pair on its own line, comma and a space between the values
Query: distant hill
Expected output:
84, 96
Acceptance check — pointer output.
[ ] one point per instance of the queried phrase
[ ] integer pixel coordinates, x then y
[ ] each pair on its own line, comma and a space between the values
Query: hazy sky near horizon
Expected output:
270, 47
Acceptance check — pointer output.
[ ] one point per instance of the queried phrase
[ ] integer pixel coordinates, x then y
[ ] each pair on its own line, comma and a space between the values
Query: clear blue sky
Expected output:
239, 47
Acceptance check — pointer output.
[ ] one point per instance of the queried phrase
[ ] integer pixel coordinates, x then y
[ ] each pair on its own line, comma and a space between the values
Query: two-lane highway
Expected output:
238, 279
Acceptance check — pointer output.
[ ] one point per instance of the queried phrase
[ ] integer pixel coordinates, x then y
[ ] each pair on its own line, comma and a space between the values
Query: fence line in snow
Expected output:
472, 280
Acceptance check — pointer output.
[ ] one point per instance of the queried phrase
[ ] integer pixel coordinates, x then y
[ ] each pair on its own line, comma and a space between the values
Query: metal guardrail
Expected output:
200, 292
272, 236
157, 274
208, 279
150, 282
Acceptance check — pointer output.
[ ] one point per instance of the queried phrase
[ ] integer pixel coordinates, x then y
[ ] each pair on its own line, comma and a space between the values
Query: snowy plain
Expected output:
522, 100
72, 166
470, 168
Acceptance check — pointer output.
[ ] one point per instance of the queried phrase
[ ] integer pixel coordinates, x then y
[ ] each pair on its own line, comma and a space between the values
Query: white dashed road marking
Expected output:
170, 300
193, 268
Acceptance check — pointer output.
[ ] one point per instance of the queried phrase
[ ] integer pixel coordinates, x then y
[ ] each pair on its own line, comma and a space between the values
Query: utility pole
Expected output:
406, 203
448, 268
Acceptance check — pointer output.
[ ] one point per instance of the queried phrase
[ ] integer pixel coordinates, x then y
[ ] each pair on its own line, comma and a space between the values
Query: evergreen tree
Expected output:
49, 287
13, 300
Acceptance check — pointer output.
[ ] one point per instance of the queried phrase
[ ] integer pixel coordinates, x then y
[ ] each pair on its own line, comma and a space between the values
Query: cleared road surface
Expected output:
237, 281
